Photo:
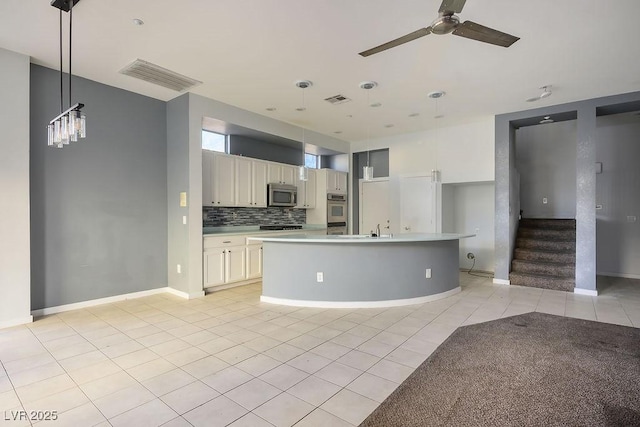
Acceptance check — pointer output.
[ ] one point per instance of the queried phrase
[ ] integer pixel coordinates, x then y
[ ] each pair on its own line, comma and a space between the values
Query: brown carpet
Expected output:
529, 370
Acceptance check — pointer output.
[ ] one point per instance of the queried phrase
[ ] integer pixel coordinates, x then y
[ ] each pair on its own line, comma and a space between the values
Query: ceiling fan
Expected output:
448, 22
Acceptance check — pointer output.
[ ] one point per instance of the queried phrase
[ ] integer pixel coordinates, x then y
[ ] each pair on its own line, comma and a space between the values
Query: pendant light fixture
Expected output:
303, 171
367, 171
435, 173
71, 123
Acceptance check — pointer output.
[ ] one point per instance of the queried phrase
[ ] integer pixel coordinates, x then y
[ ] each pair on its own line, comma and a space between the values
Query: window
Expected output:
311, 161
214, 141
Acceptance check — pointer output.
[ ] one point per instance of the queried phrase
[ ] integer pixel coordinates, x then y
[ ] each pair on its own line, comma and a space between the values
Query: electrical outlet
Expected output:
428, 273
544, 200
179, 269
319, 276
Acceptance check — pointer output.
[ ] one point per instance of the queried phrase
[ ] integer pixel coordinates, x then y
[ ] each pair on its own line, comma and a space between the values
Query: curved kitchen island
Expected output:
359, 271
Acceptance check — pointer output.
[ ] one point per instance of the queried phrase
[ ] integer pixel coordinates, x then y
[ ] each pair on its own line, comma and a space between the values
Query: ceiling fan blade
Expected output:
454, 6
397, 42
474, 31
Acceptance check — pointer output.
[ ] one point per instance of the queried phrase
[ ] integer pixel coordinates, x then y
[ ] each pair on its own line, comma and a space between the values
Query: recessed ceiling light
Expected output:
337, 132
436, 94
414, 114
300, 109
390, 125
439, 116
350, 115
368, 85
376, 105
303, 84
137, 21
270, 108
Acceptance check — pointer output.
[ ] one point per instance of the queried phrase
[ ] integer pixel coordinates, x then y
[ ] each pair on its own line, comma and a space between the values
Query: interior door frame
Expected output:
360, 182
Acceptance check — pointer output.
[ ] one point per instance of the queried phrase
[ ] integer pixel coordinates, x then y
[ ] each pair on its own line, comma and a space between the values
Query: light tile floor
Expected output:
227, 359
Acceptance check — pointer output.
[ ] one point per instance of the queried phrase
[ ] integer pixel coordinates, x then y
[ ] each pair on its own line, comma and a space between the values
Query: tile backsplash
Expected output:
219, 217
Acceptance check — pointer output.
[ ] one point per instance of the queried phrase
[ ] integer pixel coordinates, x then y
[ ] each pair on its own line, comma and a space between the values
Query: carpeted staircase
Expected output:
545, 254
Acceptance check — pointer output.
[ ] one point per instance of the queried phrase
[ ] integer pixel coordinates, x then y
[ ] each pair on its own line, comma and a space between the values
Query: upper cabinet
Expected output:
251, 183
307, 191
281, 174
336, 182
233, 180
218, 179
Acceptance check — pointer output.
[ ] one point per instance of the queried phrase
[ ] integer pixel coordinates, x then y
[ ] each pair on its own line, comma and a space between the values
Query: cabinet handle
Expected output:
227, 241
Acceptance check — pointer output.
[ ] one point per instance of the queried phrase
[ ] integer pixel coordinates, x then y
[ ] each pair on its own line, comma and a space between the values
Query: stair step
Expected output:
556, 269
537, 255
552, 245
548, 233
542, 281
548, 223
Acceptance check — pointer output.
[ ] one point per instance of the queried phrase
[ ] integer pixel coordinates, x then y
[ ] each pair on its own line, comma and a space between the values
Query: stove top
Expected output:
280, 227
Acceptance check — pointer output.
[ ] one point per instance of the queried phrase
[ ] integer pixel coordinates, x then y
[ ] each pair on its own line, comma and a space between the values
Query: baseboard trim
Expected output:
16, 322
501, 281
106, 300
590, 292
359, 304
623, 275
183, 294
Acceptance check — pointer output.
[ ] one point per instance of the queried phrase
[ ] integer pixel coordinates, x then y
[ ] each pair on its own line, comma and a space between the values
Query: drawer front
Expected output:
221, 241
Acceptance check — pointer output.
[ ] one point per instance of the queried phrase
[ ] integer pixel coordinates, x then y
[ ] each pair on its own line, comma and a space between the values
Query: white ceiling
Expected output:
249, 53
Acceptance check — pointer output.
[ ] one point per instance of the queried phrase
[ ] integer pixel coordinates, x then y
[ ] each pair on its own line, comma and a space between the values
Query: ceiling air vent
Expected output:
337, 99
158, 75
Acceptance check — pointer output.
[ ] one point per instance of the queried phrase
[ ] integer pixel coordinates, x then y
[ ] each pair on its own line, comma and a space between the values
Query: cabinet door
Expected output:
254, 261
235, 264
214, 267
274, 172
289, 174
302, 191
341, 182
311, 190
244, 193
224, 180
207, 179
259, 188
331, 181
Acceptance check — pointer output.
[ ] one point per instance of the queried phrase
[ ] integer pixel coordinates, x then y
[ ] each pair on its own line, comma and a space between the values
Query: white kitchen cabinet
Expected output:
251, 183
207, 178
223, 180
224, 260
254, 260
259, 180
281, 174
336, 182
307, 191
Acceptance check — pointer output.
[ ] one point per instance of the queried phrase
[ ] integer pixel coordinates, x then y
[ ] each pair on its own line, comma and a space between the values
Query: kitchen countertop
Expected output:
364, 238
255, 229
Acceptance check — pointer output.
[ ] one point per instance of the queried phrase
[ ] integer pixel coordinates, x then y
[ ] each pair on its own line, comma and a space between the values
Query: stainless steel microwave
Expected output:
282, 195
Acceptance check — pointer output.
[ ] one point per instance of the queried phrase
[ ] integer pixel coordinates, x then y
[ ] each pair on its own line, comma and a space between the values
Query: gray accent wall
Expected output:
546, 162
507, 200
617, 191
249, 147
14, 181
98, 206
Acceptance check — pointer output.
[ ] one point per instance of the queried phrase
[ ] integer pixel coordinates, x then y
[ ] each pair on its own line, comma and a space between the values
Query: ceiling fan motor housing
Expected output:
445, 24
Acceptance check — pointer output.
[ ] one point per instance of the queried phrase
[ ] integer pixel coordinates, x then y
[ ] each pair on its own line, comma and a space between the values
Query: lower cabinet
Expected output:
254, 261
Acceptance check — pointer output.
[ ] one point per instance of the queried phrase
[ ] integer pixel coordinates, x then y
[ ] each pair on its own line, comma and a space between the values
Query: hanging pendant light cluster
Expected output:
303, 171
367, 171
71, 123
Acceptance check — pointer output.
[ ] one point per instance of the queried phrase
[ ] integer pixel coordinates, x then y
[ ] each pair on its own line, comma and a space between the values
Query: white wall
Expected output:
546, 161
618, 191
463, 153
15, 270
469, 209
